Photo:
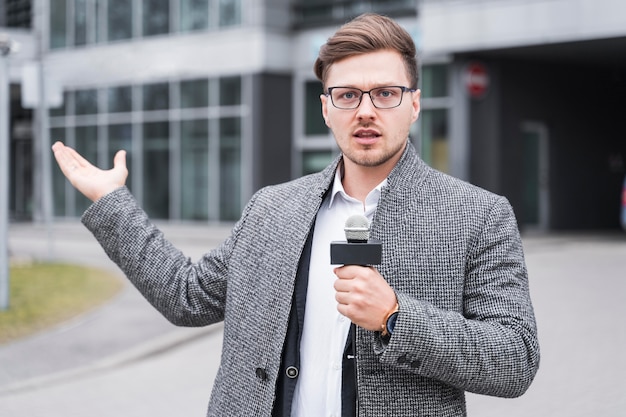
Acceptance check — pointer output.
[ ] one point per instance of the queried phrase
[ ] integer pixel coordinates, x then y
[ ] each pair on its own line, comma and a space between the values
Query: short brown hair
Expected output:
367, 33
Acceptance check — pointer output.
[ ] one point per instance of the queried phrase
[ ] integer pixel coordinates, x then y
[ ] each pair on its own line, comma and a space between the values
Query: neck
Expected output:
358, 181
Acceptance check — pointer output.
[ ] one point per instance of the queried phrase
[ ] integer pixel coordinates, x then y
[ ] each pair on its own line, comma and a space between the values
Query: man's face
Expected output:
368, 136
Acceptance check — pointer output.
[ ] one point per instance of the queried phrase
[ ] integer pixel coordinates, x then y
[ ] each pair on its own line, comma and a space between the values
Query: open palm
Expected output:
90, 180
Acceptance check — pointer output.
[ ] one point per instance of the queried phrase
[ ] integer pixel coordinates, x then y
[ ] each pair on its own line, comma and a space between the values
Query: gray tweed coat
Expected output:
451, 251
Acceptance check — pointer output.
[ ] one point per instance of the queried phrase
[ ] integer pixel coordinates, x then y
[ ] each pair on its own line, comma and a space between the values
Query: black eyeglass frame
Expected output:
401, 87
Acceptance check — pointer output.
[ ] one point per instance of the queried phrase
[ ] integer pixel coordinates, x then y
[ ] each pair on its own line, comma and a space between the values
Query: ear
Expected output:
324, 100
416, 105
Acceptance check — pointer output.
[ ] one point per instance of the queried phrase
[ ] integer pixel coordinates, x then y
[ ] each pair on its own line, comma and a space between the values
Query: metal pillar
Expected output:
5, 49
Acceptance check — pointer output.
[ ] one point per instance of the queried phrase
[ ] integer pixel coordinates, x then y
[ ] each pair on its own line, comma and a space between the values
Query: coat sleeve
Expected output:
489, 348
186, 293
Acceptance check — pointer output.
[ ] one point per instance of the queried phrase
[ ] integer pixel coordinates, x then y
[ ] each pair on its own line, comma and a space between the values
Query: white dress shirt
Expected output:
318, 390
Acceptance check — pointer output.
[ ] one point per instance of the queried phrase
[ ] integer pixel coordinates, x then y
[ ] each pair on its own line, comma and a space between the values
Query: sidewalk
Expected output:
125, 329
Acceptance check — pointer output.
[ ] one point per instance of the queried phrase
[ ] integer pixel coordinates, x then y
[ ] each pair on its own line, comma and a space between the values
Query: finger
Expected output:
343, 310
119, 161
66, 156
345, 272
57, 145
342, 285
66, 161
77, 158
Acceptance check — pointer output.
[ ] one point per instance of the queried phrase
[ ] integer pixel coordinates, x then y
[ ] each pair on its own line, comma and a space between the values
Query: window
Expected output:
313, 120
119, 99
83, 22
18, 13
330, 12
80, 22
86, 102
156, 17
434, 119
120, 137
230, 168
194, 93
86, 144
58, 179
194, 185
315, 161
63, 109
156, 96
230, 91
156, 169
435, 81
194, 15
184, 156
58, 24
434, 135
120, 19
230, 12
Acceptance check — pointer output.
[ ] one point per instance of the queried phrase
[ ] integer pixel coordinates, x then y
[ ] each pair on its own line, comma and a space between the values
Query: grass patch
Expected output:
43, 294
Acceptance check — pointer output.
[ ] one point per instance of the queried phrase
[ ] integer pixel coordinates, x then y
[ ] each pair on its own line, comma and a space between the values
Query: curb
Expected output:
140, 352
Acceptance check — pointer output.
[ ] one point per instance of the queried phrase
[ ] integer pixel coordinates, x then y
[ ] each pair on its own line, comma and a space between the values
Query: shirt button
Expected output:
336, 366
292, 372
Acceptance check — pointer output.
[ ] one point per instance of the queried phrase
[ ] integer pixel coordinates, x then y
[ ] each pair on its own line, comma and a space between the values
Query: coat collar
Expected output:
408, 172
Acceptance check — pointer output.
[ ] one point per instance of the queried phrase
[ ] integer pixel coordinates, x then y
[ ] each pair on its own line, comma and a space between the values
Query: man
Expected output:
447, 310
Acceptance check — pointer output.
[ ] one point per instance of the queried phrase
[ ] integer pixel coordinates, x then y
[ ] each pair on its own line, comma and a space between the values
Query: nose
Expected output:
366, 108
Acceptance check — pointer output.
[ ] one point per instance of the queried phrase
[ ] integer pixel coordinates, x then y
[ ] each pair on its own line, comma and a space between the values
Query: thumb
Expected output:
119, 160
119, 166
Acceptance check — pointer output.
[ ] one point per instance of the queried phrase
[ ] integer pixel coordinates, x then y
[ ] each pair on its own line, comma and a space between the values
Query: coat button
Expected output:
292, 372
261, 374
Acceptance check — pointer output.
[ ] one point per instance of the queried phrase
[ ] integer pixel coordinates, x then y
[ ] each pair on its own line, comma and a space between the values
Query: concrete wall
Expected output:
236, 51
465, 25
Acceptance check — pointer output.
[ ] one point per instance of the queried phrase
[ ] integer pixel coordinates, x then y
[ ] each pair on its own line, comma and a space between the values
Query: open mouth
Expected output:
366, 136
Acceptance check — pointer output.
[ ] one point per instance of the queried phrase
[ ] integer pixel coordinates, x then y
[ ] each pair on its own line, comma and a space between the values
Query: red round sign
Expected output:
476, 79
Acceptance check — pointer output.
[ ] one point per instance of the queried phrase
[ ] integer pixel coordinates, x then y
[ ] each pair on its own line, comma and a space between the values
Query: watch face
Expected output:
391, 322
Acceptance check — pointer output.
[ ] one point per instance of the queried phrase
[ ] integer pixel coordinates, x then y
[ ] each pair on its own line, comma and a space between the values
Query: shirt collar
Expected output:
372, 197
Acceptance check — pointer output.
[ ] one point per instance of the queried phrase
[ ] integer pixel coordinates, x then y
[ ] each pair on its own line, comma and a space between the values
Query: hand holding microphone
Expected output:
362, 295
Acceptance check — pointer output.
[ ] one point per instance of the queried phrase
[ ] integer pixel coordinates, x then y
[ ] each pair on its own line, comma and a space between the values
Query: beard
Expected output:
371, 156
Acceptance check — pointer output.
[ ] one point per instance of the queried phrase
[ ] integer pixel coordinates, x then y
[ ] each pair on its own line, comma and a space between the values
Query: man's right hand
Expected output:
90, 180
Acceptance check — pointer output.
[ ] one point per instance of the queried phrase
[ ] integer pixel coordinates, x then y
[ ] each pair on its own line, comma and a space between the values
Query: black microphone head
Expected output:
357, 229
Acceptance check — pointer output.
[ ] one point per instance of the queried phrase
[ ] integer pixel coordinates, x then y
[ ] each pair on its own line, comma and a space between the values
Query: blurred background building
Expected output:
214, 99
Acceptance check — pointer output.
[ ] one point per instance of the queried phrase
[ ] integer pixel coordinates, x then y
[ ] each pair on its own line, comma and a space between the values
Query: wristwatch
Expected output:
390, 321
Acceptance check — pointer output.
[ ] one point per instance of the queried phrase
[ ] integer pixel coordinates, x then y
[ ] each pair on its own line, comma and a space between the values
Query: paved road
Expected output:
578, 285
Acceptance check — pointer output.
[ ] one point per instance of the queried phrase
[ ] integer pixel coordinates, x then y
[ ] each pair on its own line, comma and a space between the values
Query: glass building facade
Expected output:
182, 138
204, 132
214, 99
75, 23
433, 122
182, 135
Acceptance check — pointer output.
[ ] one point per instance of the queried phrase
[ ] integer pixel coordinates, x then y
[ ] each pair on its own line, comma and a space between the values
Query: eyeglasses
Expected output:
349, 98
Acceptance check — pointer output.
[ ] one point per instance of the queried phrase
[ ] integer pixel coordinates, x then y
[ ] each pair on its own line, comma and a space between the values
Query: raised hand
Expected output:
91, 181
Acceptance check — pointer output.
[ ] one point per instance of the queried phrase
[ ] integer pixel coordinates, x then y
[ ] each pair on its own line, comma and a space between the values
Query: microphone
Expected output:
358, 249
